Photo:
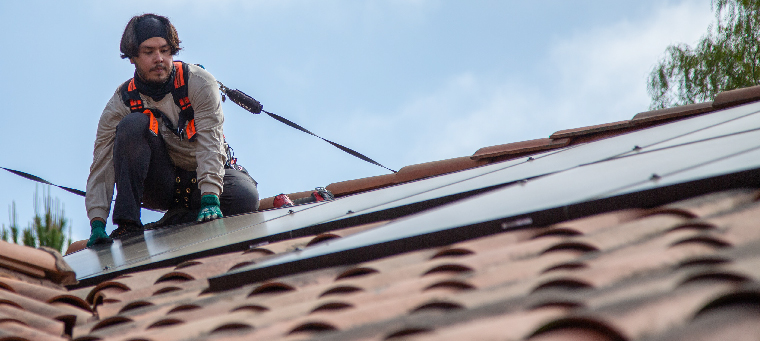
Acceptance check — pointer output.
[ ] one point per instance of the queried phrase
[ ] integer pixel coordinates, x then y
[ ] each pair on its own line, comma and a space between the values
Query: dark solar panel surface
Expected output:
679, 152
739, 119
732, 147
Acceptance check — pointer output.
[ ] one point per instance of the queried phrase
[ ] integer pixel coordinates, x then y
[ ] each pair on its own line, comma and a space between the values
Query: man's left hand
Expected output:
209, 208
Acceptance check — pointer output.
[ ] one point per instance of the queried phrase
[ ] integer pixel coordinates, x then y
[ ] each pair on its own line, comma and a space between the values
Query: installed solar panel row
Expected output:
631, 159
705, 154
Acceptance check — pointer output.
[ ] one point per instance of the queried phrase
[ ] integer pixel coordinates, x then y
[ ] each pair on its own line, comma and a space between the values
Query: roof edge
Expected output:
674, 112
736, 97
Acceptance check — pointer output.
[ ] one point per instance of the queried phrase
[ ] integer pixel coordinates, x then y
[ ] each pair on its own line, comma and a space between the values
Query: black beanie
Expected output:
148, 27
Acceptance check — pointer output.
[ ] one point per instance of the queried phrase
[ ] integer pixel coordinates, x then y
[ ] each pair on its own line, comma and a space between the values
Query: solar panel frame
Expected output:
735, 156
162, 246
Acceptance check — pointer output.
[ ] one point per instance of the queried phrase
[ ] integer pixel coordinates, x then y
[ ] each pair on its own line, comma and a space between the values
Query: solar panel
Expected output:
738, 119
242, 231
730, 126
524, 203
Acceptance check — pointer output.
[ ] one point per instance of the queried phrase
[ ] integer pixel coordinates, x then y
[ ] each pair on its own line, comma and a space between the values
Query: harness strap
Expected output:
186, 121
131, 98
153, 124
134, 104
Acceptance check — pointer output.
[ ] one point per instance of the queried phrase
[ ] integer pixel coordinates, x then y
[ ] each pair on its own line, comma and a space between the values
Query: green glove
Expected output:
209, 208
98, 234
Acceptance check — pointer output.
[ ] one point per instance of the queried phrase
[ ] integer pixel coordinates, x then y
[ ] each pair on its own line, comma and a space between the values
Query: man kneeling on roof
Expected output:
160, 141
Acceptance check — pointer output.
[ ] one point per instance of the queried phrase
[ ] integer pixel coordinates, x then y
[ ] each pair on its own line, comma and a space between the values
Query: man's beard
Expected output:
155, 83
155, 89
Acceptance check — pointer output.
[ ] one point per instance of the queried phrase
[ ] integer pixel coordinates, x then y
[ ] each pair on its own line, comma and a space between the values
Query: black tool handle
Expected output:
245, 101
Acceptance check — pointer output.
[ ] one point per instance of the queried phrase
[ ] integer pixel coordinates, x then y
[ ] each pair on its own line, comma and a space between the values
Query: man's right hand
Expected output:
98, 233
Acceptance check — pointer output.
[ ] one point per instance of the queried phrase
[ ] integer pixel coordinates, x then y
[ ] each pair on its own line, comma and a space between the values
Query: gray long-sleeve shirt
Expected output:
206, 155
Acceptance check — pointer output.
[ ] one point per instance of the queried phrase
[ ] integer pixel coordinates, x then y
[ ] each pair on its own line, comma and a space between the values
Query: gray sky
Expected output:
403, 82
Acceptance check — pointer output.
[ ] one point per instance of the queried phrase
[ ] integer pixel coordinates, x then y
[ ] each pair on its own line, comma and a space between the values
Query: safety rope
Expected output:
250, 104
244, 101
67, 189
41, 180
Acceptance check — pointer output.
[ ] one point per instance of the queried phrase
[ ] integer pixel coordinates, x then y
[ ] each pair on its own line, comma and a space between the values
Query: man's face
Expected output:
154, 60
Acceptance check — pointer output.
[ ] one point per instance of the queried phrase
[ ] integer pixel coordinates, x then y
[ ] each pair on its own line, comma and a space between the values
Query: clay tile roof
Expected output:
76, 246
360, 185
591, 129
424, 170
34, 264
675, 112
517, 148
649, 264
600, 277
736, 97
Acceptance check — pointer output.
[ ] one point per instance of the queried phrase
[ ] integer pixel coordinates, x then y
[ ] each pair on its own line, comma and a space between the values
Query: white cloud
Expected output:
601, 74
591, 77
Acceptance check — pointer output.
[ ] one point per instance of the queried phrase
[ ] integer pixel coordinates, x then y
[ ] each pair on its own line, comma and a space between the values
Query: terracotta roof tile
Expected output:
43, 294
143, 279
76, 246
283, 245
428, 169
68, 314
156, 318
157, 294
630, 232
26, 260
591, 129
506, 239
572, 329
519, 148
361, 185
743, 230
11, 330
713, 204
671, 113
82, 293
736, 97
35, 321
732, 321
469, 276
747, 268
211, 325
654, 315
343, 232
587, 138
632, 261
215, 265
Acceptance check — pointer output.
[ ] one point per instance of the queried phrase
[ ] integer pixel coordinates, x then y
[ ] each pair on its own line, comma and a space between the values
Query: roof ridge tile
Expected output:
673, 112
516, 148
735, 97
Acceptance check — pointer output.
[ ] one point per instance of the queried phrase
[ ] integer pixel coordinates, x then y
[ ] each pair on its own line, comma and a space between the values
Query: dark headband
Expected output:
149, 27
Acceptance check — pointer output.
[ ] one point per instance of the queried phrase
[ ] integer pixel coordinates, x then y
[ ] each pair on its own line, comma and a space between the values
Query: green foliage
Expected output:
49, 227
28, 237
46, 229
13, 226
726, 58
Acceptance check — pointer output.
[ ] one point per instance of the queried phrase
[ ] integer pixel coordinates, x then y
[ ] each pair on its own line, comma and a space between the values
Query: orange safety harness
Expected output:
186, 122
